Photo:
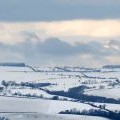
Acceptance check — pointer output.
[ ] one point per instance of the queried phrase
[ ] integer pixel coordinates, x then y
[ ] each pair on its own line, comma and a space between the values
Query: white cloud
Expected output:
11, 33
113, 44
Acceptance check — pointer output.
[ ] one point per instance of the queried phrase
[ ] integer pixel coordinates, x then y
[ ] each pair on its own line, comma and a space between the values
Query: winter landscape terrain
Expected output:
59, 93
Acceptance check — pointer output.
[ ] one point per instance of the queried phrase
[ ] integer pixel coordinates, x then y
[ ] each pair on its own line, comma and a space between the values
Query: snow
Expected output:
34, 92
109, 93
112, 107
64, 80
58, 106
38, 105
103, 83
36, 116
10, 104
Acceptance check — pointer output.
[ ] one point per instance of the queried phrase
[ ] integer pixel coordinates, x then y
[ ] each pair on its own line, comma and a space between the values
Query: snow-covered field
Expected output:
38, 109
36, 116
32, 92
11, 104
112, 107
109, 93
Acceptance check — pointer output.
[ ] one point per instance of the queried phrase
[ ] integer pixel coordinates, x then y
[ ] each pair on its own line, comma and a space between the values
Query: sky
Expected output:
60, 32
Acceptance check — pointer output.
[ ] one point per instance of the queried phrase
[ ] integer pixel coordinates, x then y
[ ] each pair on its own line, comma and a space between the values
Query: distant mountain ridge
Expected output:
22, 64
12, 64
111, 66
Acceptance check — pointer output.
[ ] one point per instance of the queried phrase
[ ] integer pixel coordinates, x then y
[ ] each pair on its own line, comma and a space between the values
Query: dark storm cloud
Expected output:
53, 50
47, 10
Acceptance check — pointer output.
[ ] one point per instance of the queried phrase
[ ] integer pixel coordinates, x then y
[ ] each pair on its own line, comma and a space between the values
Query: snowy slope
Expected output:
38, 105
32, 89
33, 116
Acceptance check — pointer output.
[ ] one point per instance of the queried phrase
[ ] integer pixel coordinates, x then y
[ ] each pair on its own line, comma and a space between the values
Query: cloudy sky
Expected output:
60, 32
